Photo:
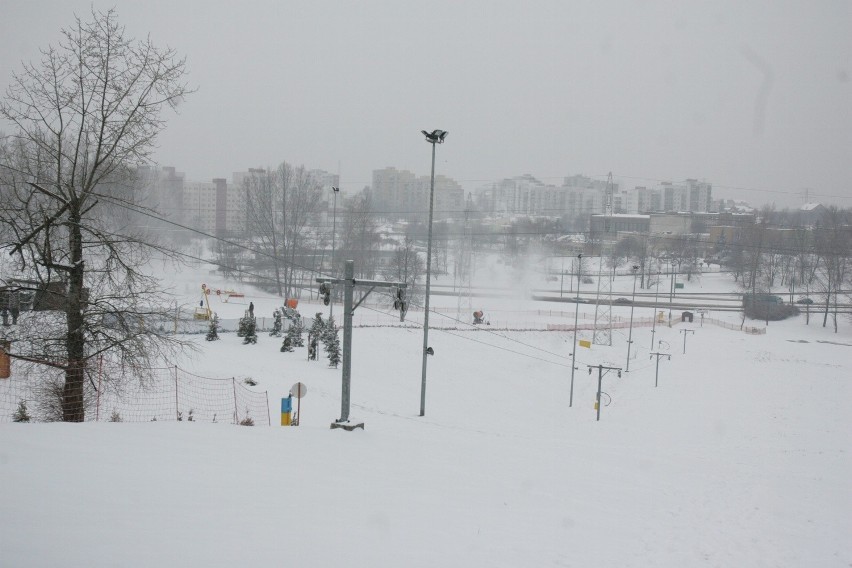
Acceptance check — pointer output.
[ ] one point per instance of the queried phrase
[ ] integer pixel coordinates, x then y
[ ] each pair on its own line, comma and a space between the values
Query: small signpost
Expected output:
298, 390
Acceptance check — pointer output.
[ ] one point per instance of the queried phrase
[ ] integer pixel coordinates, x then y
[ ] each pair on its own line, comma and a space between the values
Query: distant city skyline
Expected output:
752, 96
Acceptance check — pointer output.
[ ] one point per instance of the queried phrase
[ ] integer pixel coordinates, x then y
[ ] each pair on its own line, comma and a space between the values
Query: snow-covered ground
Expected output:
739, 457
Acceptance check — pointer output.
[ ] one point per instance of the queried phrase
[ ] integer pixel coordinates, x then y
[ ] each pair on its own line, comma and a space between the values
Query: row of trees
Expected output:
807, 261
770, 256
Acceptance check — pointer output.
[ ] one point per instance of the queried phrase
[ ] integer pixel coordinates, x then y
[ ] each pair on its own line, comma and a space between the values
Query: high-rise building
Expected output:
526, 195
401, 194
690, 195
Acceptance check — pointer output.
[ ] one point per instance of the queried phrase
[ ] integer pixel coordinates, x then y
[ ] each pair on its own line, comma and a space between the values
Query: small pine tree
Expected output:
318, 326
314, 336
115, 417
242, 326
292, 338
331, 341
21, 414
276, 324
213, 330
250, 329
298, 329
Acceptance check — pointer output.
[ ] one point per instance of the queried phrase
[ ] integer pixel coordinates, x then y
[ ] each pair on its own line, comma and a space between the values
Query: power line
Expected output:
491, 344
214, 237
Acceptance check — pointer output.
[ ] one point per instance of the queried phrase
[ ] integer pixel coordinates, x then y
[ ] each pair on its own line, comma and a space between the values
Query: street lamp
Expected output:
433, 138
635, 267
672, 289
576, 314
335, 190
656, 297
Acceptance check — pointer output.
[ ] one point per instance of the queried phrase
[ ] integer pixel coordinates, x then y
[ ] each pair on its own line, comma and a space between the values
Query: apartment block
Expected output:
402, 194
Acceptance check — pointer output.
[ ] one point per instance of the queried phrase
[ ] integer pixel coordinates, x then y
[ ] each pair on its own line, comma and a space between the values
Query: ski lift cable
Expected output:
486, 330
499, 347
503, 348
479, 328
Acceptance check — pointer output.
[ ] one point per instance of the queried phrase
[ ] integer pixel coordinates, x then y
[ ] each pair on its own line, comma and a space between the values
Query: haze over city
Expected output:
752, 97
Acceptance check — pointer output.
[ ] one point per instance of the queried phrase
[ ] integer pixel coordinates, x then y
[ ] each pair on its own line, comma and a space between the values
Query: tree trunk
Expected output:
73, 409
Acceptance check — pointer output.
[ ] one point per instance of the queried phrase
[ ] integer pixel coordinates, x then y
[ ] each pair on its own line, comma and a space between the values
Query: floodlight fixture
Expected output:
436, 136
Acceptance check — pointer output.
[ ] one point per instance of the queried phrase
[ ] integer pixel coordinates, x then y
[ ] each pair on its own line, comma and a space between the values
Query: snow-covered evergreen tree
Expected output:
331, 341
21, 414
242, 327
298, 327
276, 324
213, 330
250, 327
314, 336
291, 338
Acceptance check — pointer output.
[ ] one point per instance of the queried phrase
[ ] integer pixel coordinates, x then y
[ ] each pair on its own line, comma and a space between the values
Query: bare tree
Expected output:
635, 249
833, 241
407, 266
301, 196
81, 117
360, 237
264, 211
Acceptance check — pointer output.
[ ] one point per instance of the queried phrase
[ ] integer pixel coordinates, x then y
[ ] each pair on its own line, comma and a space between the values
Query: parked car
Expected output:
804, 300
621, 301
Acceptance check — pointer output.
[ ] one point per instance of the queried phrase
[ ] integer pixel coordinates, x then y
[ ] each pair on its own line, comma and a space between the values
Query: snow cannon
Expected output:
478, 317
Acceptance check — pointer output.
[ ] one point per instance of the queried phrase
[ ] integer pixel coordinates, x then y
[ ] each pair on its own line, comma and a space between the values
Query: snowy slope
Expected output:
740, 457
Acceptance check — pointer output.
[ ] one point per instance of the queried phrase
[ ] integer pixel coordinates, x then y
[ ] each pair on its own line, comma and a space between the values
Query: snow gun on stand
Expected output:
289, 309
479, 318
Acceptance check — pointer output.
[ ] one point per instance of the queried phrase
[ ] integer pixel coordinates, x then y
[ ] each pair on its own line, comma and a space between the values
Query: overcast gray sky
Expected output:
744, 94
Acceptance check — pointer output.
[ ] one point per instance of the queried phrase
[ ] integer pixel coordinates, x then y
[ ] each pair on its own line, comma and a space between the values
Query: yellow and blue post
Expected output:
286, 410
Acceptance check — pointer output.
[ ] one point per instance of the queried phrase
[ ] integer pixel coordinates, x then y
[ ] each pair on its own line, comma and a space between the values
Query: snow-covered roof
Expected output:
623, 216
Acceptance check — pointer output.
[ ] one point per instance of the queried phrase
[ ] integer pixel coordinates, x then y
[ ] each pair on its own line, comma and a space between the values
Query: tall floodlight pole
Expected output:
433, 138
576, 314
656, 298
336, 190
632, 302
673, 283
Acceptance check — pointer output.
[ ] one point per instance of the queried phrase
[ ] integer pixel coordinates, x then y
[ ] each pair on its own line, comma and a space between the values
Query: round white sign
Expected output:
298, 390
